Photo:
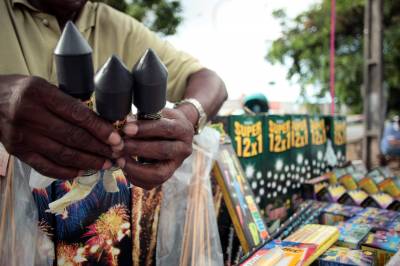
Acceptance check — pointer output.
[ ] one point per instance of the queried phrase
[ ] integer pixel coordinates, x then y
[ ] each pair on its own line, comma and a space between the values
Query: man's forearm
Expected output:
209, 89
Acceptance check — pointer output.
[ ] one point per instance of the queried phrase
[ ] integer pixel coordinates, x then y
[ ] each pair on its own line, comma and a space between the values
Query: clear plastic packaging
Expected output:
21, 240
188, 231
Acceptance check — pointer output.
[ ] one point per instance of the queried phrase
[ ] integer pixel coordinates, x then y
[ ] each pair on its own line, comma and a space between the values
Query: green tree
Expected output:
162, 16
304, 48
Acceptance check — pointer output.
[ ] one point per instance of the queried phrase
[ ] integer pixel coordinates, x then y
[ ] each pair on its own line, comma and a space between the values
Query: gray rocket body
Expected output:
150, 79
73, 57
113, 83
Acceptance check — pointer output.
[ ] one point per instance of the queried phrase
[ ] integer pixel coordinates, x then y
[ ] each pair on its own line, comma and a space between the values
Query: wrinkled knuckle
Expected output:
168, 128
67, 155
167, 151
80, 113
79, 136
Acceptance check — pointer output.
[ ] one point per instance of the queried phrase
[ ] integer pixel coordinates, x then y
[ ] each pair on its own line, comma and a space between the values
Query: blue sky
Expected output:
232, 38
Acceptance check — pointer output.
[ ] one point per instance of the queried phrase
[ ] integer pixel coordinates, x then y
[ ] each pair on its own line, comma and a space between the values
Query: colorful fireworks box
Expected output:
308, 213
395, 226
336, 126
375, 212
376, 223
312, 187
324, 236
239, 198
283, 176
384, 244
332, 193
381, 200
281, 253
351, 235
342, 256
318, 137
335, 213
348, 182
353, 197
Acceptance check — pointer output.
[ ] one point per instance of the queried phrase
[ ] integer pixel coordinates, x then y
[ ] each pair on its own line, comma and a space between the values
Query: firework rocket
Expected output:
150, 78
113, 83
73, 57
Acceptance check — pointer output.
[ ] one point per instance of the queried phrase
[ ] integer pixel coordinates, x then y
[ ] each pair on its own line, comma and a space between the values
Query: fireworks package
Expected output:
188, 231
239, 198
384, 244
336, 129
318, 138
342, 256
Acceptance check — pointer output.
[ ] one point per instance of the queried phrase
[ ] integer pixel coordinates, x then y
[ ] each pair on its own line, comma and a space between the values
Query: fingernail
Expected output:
121, 163
107, 165
118, 147
81, 172
114, 138
130, 129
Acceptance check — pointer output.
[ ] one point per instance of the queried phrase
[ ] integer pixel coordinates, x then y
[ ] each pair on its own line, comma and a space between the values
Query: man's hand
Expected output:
168, 140
52, 132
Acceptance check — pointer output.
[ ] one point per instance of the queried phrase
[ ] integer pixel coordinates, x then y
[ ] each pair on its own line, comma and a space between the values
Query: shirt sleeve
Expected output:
137, 38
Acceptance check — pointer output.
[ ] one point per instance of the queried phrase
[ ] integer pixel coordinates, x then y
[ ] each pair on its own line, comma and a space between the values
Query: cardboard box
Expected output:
351, 235
285, 252
384, 244
334, 213
353, 197
318, 137
342, 256
239, 198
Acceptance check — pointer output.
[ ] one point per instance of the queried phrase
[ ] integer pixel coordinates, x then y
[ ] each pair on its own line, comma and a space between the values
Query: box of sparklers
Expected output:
324, 236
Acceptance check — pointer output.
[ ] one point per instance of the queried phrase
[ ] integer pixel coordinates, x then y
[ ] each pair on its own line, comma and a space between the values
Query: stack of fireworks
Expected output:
116, 88
346, 186
280, 152
300, 248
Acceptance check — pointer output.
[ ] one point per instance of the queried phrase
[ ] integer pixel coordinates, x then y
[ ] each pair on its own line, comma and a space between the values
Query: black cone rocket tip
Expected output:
150, 77
113, 84
73, 57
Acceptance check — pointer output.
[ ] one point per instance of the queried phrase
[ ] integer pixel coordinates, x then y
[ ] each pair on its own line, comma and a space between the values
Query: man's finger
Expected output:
66, 133
159, 150
156, 173
47, 167
79, 114
163, 128
65, 156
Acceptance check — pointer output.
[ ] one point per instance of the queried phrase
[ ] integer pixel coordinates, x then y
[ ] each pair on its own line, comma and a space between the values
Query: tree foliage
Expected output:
304, 47
162, 16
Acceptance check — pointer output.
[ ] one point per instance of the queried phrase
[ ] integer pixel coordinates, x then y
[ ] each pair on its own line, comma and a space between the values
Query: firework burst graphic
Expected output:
70, 254
109, 229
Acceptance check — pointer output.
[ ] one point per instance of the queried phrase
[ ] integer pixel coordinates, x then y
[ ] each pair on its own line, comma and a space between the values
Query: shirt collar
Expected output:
85, 20
24, 3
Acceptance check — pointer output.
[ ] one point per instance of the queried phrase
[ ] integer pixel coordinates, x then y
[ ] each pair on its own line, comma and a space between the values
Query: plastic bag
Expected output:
21, 240
188, 232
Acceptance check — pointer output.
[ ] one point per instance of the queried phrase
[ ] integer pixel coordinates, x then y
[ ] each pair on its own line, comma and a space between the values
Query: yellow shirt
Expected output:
28, 38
